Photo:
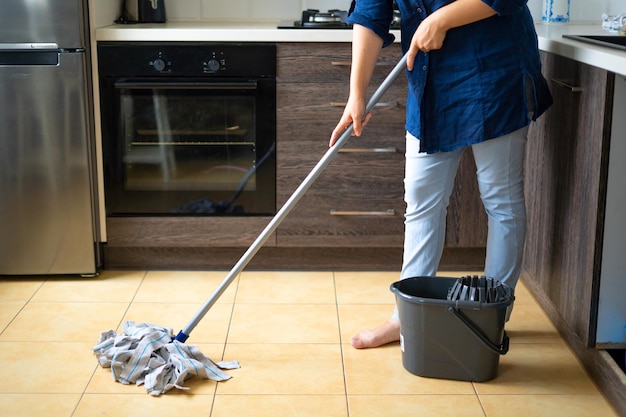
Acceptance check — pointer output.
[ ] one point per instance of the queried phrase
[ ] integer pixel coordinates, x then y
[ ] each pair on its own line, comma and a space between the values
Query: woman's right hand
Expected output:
353, 114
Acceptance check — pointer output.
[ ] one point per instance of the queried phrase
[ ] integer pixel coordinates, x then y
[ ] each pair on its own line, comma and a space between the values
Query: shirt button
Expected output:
419, 10
424, 67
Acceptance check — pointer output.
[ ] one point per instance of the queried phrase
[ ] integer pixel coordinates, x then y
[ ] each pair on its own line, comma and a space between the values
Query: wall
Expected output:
582, 11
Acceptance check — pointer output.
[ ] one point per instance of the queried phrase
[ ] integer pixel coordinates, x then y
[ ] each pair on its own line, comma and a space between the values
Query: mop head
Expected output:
147, 354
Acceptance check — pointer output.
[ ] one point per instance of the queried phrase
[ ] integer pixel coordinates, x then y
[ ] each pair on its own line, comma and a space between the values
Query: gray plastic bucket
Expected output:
460, 340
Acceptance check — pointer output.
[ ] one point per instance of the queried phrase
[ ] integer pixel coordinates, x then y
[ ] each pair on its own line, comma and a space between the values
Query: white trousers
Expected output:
429, 180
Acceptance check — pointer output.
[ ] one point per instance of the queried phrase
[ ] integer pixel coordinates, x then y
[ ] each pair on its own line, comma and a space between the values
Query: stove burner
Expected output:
330, 19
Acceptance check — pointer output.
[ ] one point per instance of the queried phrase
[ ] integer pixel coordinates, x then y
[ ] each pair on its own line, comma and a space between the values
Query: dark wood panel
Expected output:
183, 232
565, 187
324, 62
276, 259
310, 111
466, 224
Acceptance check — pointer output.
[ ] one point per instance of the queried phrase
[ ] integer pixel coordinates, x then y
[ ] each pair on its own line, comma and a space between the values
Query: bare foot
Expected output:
385, 333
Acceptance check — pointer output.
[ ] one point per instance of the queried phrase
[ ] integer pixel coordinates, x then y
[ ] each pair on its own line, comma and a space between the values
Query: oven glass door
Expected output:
191, 148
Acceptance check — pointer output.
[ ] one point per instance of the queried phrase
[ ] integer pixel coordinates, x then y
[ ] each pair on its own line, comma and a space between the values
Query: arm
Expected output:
366, 46
431, 33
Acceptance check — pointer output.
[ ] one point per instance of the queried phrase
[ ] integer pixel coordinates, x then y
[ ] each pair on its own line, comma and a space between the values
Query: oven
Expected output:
188, 129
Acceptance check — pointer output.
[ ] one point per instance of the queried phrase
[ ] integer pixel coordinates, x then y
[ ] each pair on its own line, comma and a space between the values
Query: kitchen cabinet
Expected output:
566, 184
358, 200
351, 218
575, 189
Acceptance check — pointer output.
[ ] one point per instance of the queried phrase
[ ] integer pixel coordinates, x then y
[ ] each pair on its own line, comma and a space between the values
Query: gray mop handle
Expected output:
289, 204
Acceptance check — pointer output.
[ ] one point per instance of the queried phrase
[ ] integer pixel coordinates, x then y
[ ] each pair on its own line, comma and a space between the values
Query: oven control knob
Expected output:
213, 65
159, 64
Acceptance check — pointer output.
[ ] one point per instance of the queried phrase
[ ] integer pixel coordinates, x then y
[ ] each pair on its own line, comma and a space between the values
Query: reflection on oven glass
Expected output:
181, 143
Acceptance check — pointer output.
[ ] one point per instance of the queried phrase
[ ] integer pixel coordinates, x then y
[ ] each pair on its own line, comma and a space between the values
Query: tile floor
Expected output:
289, 330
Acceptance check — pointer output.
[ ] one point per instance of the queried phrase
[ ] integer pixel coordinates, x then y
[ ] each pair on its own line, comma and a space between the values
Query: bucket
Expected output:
440, 338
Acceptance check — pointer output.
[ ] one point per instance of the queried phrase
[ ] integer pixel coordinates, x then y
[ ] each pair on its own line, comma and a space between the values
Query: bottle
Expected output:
556, 11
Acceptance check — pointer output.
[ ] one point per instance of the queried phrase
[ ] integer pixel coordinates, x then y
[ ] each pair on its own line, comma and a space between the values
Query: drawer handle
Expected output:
567, 84
349, 63
391, 149
388, 212
383, 104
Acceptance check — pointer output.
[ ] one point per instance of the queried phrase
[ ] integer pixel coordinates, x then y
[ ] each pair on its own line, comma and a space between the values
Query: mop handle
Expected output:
288, 206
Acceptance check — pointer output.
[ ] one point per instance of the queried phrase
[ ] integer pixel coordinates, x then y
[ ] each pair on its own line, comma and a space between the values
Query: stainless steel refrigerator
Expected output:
47, 216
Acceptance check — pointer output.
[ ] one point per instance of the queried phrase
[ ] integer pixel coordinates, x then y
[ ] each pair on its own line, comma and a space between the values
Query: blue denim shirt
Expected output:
485, 82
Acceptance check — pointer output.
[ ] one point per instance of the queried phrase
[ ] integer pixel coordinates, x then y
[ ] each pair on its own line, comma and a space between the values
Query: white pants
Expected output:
429, 180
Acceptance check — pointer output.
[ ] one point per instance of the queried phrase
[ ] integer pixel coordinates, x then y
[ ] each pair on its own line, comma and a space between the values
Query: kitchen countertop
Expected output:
550, 37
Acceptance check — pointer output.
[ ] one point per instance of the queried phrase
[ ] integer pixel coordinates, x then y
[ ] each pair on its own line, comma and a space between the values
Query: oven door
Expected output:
189, 147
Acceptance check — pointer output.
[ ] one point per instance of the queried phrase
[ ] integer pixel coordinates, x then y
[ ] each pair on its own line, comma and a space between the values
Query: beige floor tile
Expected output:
523, 295
546, 406
365, 287
8, 311
354, 318
286, 288
19, 289
414, 405
102, 381
144, 405
380, 371
184, 287
298, 369
213, 328
280, 405
539, 368
46, 367
109, 286
529, 324
284, 323
38, 405
64, 322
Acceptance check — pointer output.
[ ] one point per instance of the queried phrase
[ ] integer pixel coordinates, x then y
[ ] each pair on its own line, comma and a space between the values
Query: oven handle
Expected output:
138, 85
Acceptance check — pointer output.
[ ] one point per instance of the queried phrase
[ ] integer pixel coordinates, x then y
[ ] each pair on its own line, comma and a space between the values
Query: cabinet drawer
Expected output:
324, 62
314, 226
356, 201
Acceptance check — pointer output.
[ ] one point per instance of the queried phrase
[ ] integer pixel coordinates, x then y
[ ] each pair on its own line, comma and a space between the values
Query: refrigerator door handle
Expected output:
29, 46
29, 54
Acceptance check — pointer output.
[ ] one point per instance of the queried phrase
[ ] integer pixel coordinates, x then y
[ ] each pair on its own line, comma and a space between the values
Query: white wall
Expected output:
587, 11
583, 11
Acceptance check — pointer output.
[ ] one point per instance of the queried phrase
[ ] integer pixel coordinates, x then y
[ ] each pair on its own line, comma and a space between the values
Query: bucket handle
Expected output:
501, 349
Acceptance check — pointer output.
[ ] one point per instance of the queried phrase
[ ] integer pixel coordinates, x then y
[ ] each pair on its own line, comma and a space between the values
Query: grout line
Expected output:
341, 347
21, 309
130, 303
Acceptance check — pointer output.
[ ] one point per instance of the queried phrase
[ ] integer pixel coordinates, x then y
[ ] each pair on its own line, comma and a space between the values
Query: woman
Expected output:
474, 81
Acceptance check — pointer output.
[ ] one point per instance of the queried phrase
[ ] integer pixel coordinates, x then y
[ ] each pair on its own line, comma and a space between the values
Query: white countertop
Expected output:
550, 37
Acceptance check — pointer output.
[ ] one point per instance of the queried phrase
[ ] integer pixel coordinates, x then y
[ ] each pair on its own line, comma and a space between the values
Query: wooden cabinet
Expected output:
351, 218
566, 172
358, 200
573, 178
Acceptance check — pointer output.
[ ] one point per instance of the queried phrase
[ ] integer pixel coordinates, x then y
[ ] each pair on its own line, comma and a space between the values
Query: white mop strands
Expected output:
147, 354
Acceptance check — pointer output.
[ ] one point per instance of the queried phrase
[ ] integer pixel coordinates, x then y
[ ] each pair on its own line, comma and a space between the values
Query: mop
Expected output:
150, 355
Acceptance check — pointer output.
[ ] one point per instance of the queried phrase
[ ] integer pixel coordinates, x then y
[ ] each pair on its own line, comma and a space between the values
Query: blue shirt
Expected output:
485, 81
